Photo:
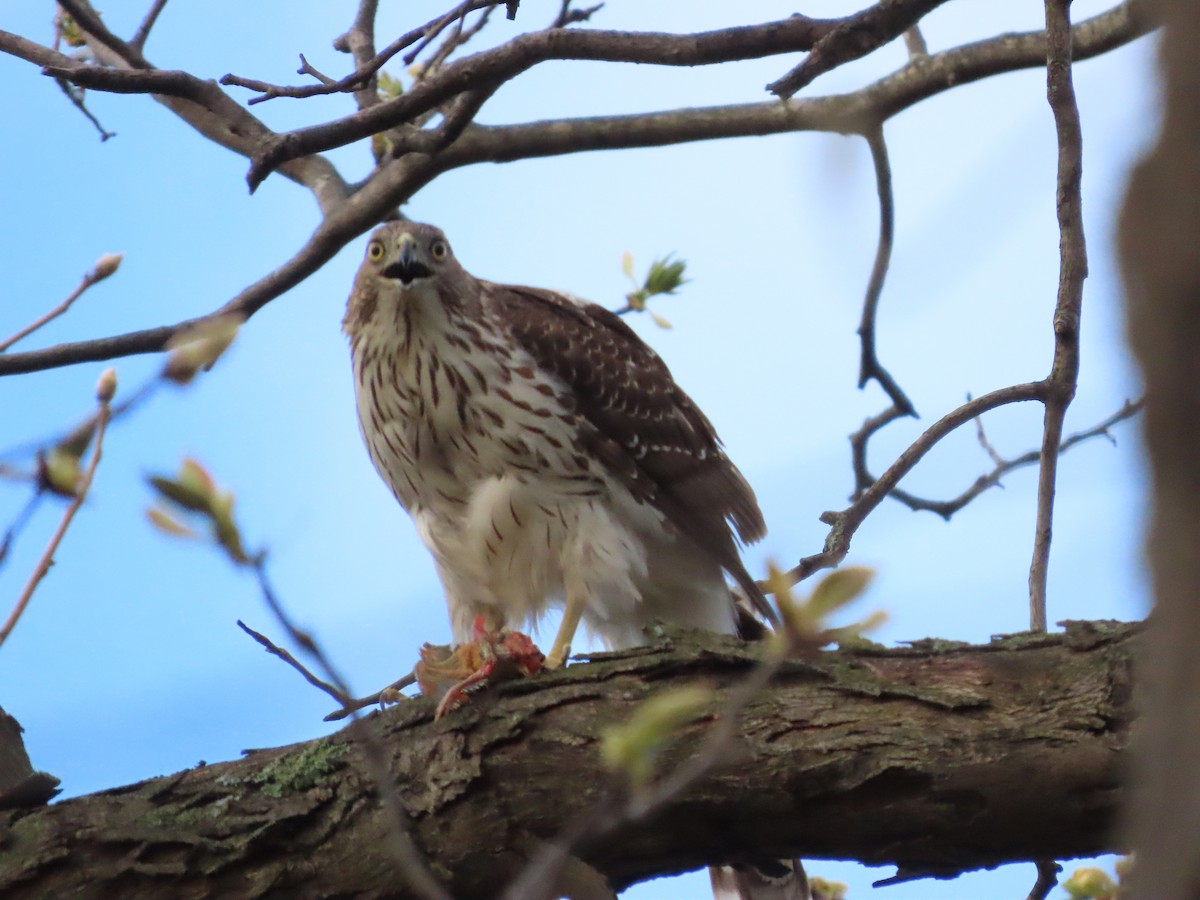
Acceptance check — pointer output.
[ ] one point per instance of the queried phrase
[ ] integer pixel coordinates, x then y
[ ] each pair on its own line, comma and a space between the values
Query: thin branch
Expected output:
869, 366
853, 38
988, 448
845, 523
947, 508
914, 43
75, 95
276, 650
350, 706
19, 522
359, 42
202, 104
104, 396
89, 20
306, 68
98, 273
364, 70
456, 39
1064, 373
396, 181
138, 41
567, 16
453, 17
1047, 879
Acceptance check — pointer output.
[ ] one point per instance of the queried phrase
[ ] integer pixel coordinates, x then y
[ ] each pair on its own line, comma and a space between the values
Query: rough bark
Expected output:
938, 758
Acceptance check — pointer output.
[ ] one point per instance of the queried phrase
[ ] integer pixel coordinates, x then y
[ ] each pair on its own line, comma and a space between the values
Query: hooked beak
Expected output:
409, 266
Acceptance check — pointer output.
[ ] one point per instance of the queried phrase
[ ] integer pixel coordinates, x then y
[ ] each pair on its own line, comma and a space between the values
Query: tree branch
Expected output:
1064, 372
919, 79
845, 523
853, 38
935, 758
225, 122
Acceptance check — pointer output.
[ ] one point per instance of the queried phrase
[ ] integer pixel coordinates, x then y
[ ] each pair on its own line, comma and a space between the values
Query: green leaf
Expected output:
665, 276
633, 747
389, 87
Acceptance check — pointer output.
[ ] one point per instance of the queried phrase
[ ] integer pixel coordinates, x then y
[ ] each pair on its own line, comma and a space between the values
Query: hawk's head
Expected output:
409, 266
409, 252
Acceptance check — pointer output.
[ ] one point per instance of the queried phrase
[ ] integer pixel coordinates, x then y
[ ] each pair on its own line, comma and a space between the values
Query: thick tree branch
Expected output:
937, 758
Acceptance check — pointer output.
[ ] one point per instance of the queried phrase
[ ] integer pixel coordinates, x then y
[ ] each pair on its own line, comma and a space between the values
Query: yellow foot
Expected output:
558, 654
557, 657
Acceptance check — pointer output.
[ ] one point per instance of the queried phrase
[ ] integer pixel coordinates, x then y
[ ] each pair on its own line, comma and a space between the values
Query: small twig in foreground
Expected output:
278, 651
19, 522
411, 863
105, 266
105, 390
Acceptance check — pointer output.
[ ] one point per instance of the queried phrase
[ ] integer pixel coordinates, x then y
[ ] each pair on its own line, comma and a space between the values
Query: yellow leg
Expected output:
566, 631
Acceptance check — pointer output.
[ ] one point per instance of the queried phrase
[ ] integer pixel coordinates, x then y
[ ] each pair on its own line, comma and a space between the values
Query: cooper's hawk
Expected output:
544, 452
547, 457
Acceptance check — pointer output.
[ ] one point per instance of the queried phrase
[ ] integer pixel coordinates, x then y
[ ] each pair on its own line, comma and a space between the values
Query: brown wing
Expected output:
643, 426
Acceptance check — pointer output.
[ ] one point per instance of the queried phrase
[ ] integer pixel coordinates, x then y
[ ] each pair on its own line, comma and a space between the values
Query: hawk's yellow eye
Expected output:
375, 251
439, 250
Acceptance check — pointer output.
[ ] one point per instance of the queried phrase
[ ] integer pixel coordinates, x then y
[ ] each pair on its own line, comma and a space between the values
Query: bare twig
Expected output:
19, 522
988, 448
358, 703
1064, 373
138, 41
104, 268
454, 17
914, 43
843, 524
87, 18
1047, 879
947, 508
359, 42
854, 37
306, 68
869, 365
104, 392
456, 39
276, 650
567, 16
364, 70
75, 95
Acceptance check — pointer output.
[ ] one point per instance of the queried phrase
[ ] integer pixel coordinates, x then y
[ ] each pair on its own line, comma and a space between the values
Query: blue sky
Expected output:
128, 663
